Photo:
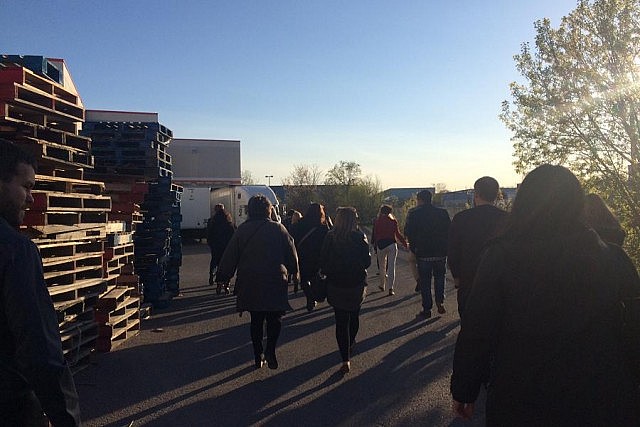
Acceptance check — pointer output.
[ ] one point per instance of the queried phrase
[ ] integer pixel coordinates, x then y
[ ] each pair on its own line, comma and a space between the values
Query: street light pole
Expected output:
269, 178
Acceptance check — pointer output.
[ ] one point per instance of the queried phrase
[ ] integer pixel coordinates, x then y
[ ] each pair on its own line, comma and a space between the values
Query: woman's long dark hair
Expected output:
314, 216
550, 200
346, 222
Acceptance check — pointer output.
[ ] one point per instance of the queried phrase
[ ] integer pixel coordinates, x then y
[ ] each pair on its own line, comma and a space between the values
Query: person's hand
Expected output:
463, 410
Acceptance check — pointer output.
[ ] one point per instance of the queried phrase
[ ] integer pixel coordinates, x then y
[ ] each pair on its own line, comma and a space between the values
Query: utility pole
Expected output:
269, 178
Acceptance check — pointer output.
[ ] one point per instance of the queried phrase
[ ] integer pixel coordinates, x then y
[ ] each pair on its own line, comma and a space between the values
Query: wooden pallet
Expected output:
116, 264
51, 248
52, 201
118, 314
37, 219
68, 185
25, 77
78, 342
130, 281
64, 232
114, 303
58, 154
79, 289
62, 271
21, 85
12, 129
79, 309
133, 173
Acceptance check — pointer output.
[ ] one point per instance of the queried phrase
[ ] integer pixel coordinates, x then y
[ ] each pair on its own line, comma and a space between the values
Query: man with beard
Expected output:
34, 378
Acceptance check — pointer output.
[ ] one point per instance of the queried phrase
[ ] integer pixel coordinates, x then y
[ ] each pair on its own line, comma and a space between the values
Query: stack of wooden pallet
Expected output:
130, 156
42, 113
118, 314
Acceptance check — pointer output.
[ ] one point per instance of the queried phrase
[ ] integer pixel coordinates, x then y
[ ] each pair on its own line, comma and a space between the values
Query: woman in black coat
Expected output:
219, 231
264, 255
309, 234
344, 259
544, 318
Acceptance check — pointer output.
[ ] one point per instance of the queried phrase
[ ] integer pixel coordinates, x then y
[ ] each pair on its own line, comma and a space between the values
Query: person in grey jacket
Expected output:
263, 254
344, 259
34, 376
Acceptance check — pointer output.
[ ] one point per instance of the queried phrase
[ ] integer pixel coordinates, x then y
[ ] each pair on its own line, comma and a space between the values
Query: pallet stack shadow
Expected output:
132, 158
68, 221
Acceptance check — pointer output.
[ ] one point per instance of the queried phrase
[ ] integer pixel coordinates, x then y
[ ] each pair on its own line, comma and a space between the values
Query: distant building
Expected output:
400, 195
456, 201
205, 162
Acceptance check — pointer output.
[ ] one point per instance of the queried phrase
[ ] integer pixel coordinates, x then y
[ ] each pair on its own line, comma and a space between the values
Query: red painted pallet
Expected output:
24, 76
36, 218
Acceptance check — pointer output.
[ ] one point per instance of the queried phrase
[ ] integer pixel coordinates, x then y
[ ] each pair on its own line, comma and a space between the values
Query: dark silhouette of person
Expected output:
545, 319
34, 377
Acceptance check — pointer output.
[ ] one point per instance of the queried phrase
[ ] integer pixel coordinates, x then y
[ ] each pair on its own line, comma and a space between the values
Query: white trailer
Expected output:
236, 197
195, 210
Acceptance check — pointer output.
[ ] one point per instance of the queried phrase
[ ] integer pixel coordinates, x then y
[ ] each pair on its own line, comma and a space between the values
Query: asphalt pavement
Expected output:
192, 364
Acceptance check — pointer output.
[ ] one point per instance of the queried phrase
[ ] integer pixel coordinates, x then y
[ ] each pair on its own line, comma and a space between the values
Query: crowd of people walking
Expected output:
548, 300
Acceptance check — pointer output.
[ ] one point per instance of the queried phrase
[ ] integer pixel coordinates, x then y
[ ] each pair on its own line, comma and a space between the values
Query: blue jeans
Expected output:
427, 270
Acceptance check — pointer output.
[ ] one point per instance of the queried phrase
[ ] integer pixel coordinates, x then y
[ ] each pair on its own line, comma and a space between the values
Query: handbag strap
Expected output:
309, 233
249, 239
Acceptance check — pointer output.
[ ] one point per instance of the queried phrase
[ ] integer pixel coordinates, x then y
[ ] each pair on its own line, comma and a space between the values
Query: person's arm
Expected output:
454, 247
33, 323
325, 254
626, 275
483, 314
229, 260
291, 255
409, 232
365, 255
373, 232
399, 235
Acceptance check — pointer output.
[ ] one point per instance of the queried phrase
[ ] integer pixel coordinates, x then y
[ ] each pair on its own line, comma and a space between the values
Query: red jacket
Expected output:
386, 228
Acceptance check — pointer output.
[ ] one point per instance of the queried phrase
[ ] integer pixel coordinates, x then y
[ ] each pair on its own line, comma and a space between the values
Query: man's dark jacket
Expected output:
427, 229
31, 358
470, 230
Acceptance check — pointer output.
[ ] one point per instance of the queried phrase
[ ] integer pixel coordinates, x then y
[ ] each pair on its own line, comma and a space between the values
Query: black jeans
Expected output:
347, 325
274, 325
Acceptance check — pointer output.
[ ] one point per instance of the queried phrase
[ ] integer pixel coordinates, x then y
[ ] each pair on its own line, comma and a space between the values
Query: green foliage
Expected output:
402, 210
301, 187
578, 104
345, 186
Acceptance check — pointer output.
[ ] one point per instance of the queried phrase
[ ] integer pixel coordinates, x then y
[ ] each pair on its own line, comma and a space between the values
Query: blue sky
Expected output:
410, 90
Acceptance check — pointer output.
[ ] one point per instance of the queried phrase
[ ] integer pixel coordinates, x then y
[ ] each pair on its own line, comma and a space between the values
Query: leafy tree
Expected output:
579, 103
301, 186
345, 186
366, 197
343, 176
247, 178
